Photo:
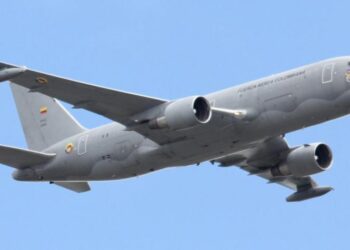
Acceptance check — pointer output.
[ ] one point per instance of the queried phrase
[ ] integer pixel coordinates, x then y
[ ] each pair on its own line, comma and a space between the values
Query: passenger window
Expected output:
327, 73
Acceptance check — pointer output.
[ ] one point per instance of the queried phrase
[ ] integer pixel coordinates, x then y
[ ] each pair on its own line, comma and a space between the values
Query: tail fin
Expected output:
44, 120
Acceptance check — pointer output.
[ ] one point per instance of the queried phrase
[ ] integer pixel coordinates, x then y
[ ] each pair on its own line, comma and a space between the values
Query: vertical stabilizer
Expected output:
44, 120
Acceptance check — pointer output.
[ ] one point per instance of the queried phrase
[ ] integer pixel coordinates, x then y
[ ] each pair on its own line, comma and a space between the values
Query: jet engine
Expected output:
184, 113
305, 160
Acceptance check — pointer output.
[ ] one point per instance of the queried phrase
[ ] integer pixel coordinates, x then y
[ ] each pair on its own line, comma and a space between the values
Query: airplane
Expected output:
241, 126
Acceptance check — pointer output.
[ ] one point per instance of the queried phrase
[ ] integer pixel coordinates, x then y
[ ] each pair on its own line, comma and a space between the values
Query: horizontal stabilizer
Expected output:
78, 187
22, 158
308, 194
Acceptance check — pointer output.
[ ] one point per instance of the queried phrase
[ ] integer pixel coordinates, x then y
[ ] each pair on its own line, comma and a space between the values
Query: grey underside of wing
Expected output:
22, 158
113, 104
78, 187
260, 158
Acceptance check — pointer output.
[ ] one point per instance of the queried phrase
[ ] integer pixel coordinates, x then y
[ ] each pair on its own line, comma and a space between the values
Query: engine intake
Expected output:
305, 160
184, 113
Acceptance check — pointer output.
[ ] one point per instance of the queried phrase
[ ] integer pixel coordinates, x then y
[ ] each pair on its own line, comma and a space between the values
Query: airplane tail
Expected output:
44, 120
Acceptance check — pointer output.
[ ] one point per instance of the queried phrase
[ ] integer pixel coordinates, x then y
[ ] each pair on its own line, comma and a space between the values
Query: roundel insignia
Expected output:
43, 110
347, 75
69, 148
41, 80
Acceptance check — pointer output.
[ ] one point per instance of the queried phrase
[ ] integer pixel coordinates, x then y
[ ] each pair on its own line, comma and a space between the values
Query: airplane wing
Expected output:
116, 105
259, 159
113, 104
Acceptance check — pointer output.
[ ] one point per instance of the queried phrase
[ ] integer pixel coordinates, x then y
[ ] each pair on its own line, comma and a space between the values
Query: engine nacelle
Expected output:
305, 160
184, 113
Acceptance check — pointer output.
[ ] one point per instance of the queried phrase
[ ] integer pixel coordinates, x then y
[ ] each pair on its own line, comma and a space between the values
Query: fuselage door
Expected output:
82, 144
327, 73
